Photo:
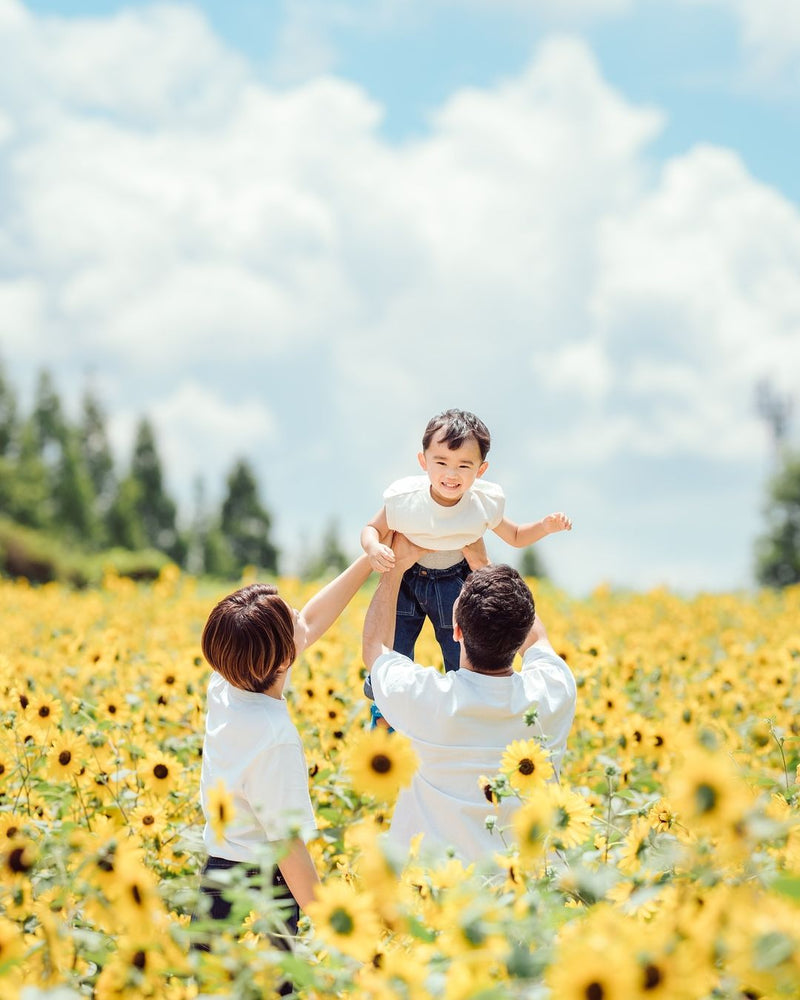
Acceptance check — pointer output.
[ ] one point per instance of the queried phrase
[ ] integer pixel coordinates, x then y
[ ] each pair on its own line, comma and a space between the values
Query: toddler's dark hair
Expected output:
458, 426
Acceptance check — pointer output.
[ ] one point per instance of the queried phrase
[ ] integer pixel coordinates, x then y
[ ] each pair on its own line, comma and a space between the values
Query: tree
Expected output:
25, 483
156, 509
245, 524
142, 513
97, 451
531, 564
47, 420
123, 523
330, 559
778, 550
8, 413
73, 494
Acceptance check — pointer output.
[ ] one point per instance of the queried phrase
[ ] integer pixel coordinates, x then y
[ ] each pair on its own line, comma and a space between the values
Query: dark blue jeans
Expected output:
429, 593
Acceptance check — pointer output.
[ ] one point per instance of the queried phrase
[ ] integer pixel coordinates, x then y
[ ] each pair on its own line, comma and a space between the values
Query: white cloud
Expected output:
262, 272
770, 36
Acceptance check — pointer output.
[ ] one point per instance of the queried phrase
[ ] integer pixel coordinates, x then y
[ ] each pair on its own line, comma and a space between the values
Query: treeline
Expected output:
59, 484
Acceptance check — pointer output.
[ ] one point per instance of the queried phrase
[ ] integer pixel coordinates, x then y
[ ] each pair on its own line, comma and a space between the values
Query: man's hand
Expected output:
556, 522
406, 553
475, 554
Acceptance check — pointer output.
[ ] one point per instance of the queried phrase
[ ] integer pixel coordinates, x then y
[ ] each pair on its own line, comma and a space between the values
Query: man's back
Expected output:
460, 724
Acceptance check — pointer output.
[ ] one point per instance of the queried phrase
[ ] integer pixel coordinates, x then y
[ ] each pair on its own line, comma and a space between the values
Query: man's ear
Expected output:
421, 459
458, 635
482, 469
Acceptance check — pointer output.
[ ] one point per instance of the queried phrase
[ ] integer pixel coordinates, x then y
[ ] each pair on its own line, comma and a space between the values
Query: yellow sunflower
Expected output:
533, 823
708, 794
573, 817
220, 809
526, 764
159, 773
380, 763
66, 756
345, 919
12, 946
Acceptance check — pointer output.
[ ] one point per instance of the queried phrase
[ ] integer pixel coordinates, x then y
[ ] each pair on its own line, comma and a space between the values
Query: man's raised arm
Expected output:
378, 634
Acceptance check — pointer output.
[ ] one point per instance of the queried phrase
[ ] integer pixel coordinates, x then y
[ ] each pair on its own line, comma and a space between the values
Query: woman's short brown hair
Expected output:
249, 635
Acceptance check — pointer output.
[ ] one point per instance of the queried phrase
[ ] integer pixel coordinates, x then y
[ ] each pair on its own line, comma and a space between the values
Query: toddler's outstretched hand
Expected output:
556, 522
381, 558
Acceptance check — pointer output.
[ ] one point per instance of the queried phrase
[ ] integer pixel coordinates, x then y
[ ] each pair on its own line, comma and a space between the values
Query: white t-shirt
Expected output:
253, 747
460, 724
411, 509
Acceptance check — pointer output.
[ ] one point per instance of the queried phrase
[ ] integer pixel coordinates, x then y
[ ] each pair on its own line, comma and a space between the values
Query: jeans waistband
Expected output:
457, 569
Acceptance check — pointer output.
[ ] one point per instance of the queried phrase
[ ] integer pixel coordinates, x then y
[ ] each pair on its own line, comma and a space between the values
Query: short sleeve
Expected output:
400, 686
276, 786
492, 499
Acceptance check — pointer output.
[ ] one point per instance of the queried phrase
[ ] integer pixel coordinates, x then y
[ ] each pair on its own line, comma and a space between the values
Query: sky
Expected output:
294, 231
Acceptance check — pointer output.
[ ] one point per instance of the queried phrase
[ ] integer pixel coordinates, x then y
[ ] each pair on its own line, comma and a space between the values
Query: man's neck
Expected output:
466, 665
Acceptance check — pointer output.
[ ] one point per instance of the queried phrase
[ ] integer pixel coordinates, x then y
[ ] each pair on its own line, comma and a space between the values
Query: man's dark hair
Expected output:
458, 426
249, 636
495, 612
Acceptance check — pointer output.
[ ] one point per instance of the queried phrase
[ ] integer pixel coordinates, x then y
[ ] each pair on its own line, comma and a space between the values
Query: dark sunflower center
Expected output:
148, 820
652, 976
44, 711
139, 960
18, 861
526, 766
594, 991
341, 921
706, 798
161, 771
137, 896
64, 758
381, 764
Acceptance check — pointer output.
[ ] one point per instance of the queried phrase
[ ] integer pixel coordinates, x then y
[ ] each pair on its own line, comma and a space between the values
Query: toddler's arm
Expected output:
522, 535
373, 538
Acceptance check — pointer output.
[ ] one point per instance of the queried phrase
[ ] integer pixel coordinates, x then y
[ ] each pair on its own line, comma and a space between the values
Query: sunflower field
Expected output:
665, 864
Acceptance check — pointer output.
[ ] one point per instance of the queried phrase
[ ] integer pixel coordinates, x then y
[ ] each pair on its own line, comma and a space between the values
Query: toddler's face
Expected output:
451, 470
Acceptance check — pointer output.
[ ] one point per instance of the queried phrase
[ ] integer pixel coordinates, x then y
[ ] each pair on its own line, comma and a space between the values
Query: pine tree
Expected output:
142, 514
25, 482
96, 451
124, 526
8, 414
47, 420
778, 550
531, 564
245, 524
74, 496
157, 510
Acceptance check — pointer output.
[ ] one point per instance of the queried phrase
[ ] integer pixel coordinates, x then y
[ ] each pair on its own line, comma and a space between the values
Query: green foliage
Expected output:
778, 550
41, 557
8, 413
67, 507
244, 522
531, 564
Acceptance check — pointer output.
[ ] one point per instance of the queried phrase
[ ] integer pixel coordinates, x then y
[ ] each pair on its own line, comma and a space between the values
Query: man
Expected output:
460, 722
